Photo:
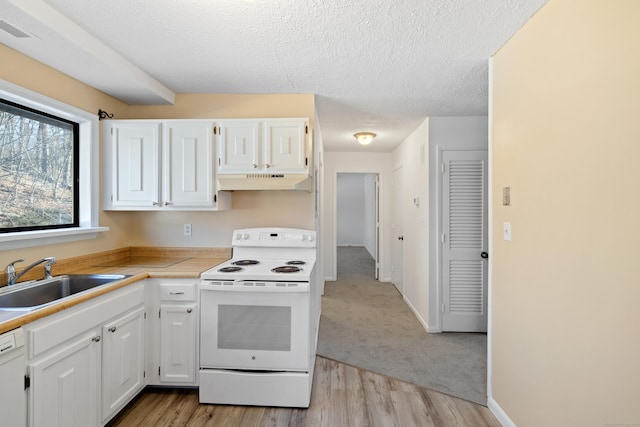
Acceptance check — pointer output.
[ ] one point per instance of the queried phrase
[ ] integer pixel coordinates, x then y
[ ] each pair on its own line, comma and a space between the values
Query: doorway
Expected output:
357, 215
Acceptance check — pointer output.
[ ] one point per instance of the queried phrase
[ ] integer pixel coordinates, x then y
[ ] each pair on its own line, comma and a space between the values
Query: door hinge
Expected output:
27, 382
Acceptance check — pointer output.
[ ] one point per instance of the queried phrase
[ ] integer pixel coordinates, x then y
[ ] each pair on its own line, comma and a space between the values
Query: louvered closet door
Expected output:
464, 239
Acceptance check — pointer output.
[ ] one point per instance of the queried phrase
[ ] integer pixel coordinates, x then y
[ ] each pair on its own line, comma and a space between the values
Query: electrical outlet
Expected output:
187, 229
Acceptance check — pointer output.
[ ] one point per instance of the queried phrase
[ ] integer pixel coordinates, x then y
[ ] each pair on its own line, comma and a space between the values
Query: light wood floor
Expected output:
342, 396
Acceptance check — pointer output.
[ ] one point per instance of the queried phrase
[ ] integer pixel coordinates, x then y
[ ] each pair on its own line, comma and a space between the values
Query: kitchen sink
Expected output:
33, 295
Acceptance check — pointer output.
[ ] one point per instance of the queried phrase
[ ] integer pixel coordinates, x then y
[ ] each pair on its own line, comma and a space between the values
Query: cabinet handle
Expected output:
112, 329
155, 203
268, 165
255, 165
189, 310
96, 339
167, 203
176, 293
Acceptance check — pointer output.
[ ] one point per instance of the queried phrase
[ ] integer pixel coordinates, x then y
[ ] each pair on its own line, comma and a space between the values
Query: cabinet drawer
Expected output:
178, 292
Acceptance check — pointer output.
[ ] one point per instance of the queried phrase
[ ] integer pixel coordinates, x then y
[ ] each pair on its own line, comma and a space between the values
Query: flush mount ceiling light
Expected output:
364, 138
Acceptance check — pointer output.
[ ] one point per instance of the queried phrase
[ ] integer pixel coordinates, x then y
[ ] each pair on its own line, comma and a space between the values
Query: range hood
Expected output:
265, 181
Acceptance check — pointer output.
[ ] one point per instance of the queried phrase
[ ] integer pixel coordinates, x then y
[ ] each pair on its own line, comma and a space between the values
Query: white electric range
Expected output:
259, 314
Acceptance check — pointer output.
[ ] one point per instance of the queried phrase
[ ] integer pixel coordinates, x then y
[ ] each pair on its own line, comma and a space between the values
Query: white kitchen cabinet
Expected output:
64, 385
263, 146
178, 343
160, 165
238, 146
122, 361
134, 148
172, 332
75, 361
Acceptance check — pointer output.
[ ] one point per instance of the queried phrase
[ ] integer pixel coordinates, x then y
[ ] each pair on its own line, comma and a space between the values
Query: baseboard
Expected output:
500, 415
415, 312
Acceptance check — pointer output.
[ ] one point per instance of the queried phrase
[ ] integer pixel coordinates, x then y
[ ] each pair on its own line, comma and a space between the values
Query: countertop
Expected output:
140, 264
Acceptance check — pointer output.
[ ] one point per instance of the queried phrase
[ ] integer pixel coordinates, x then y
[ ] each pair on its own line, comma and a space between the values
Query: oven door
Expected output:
251, 327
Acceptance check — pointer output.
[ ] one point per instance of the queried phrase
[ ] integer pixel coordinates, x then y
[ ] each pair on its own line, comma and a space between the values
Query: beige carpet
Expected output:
366, 323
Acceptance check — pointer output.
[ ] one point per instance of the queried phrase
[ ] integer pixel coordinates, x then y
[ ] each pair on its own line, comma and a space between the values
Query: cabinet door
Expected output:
285, 145
123, 361
178, 343
135, 164
238, 147
64, 385
188, 164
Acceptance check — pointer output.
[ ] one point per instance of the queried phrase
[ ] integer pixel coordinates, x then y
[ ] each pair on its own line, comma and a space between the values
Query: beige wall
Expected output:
566, 139
27, 73
249, 208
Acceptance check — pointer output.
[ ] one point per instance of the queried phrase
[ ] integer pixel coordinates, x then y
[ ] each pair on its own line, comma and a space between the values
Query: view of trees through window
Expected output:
38, 177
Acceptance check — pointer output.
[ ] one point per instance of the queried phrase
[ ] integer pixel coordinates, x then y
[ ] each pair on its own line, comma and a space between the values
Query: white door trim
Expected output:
334, 212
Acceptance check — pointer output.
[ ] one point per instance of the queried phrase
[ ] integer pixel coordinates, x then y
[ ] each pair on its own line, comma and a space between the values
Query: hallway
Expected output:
367, 324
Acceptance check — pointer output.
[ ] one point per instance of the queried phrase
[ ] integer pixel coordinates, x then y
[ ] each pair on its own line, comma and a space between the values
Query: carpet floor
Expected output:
366, 323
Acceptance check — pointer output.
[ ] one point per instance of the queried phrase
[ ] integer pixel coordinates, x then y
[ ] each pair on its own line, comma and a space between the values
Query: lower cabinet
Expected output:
85, 355
64, 385
87, 362
172, 332
122, 361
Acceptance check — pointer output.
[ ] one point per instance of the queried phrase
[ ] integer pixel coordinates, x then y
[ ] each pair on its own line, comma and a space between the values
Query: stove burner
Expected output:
245, 262
296, 262
286, 269
229, 269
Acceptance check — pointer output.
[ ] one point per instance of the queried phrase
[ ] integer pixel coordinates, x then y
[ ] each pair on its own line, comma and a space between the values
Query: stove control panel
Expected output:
274, 237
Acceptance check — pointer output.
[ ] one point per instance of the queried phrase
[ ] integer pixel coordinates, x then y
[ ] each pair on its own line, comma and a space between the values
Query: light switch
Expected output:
506, 231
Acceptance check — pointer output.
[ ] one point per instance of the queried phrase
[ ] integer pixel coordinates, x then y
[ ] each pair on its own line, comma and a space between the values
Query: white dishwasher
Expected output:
13, 398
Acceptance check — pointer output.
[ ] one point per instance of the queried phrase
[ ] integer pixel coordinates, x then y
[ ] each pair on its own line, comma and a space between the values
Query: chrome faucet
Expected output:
12, 278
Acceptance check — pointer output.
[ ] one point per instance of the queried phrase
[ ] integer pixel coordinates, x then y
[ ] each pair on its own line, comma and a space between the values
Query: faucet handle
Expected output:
11, 265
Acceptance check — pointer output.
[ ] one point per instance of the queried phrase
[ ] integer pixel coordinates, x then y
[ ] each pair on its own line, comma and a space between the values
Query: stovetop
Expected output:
265, 269
268, 254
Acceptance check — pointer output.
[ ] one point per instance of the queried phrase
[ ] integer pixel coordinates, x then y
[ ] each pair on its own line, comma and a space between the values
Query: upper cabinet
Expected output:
151, 165
269, 146
267, 154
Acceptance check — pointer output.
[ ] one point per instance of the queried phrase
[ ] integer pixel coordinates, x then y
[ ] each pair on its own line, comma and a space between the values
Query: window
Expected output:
84, 163
38, 170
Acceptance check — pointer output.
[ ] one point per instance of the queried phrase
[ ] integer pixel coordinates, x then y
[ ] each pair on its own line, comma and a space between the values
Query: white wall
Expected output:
356, 210
413, 156
350, 209
446, 133
369, 163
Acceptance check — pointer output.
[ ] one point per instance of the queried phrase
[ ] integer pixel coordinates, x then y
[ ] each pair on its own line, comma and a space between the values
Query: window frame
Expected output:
75, 134
89, 181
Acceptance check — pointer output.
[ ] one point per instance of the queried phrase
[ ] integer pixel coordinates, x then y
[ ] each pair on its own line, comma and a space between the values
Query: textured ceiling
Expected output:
374, 65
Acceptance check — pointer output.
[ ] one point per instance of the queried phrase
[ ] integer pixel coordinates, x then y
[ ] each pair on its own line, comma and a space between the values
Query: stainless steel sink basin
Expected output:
37, 294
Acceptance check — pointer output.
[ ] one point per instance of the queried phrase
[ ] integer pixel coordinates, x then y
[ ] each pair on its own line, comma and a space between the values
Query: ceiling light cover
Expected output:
365, 138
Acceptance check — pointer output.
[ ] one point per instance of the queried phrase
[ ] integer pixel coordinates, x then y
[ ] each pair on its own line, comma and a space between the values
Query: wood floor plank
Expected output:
342, 395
